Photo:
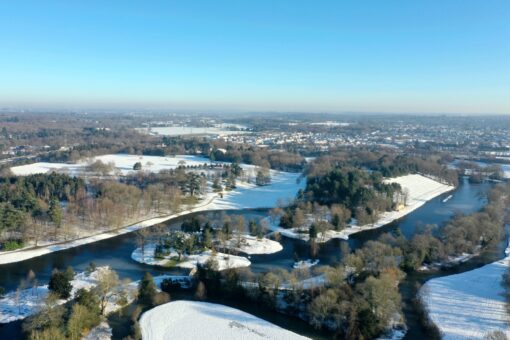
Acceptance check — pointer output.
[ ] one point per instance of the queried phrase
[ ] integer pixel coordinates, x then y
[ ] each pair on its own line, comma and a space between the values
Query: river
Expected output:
116, 252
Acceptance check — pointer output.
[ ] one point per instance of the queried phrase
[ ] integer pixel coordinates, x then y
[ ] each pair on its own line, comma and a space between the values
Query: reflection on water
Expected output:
116, 252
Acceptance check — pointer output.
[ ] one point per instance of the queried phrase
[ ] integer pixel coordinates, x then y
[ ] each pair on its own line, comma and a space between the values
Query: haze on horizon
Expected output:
328, 56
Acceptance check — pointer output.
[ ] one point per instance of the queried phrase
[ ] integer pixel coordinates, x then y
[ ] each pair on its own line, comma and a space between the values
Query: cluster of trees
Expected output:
386, 162
56, 206
35, 197
356, 189
352, 302
478, 173
84, 311
219, 150
196, 236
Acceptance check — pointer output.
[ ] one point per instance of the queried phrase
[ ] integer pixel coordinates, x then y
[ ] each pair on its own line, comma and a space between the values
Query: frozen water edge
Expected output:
470, 304
284, 186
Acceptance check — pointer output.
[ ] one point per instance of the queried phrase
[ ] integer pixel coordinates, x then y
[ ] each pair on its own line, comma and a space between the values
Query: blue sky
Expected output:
447, 56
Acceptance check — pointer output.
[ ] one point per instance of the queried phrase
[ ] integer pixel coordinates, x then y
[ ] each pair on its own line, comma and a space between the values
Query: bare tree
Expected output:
107, 287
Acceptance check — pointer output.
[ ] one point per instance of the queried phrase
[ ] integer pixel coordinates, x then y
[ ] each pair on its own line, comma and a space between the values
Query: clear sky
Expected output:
441, 56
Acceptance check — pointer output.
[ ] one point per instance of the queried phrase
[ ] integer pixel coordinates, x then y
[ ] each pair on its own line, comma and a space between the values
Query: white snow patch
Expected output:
253, 246
468, 305
201, 320
103, 331
225, 261
305, 264
122, 162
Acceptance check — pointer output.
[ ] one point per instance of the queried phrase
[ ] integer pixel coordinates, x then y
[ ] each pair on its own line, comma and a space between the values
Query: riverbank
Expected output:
420, 189
224, 261
470, 304
28, 253
283, 187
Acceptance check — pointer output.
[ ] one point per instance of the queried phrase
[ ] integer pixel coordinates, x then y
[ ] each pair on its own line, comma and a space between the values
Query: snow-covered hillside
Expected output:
468, 305
187, 320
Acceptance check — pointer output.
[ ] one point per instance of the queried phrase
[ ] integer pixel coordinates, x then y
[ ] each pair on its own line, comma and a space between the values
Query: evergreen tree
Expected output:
55, 212
147, 289
60, 284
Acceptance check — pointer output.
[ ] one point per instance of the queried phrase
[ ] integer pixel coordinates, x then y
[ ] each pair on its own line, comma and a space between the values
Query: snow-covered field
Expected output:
253, 246
122, 162
225, 261
201, 320
420, 188
284, 187
191, 130
468, 305
102, 332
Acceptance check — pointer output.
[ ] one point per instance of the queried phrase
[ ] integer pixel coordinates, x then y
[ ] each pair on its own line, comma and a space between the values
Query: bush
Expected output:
69, 273
12, 245
90, 268
88, 299
137, 166
167, 285
60, 284
146, 289
160, 298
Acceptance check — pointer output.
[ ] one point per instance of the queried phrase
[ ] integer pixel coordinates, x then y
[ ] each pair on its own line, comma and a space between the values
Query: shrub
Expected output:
12, 245
146, 289
60, 284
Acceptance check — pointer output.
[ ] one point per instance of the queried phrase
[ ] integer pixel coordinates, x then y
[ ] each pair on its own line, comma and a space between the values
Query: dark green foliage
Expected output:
191, 226
313, 231
60, 284
69, 273
147, 289
21, 197
11, 245
169, 286
137, 166
88, 299
55, 212
350, 187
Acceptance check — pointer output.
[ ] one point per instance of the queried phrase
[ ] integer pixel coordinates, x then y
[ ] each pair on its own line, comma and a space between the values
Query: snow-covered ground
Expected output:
420, 188
253, 246
225, 261
122, 162
305, 264
101, 332
191, 130
28, 301
283, 187
201, 320
468, 305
